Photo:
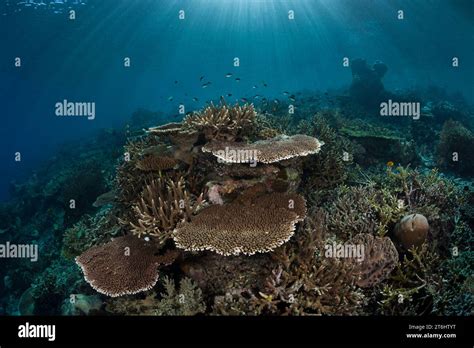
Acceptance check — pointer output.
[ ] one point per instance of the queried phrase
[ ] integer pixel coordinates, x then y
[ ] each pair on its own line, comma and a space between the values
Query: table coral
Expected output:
248, 226
126, 265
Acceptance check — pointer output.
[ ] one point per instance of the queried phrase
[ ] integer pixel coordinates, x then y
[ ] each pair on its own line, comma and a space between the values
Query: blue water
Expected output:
82, 59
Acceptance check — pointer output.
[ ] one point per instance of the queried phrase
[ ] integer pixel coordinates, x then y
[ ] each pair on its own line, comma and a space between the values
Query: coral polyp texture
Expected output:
126, 265
255, 226
271, 150
380, 259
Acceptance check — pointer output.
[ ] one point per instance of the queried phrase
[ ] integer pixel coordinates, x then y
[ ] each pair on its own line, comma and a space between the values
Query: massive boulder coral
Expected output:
255, 226
264, 151
412, 230
126, 265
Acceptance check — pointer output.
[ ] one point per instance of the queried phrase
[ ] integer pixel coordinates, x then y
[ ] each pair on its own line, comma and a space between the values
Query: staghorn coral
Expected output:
456, 293
380, 258
222, 122
89, 231
329, 168
301, 281
247, 226
413, 285
306, 283
185, 301
217, 275
126, 265
163, 203
272, 150
351, 212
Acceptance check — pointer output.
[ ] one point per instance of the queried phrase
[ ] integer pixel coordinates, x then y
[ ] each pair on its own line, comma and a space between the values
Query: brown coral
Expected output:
255, 226
162, 205
264, 151
151, 163
412, 230
168, 128
222, 122
380, 258
126, 265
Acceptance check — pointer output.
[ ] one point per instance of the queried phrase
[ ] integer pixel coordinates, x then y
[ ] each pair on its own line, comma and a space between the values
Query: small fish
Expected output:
390, 164
264, 84
228, 75
276, 101
237, 79
286, 93
229, 94
257, 96
195, 99
205, 85
292, 98
201, 78
254, 87
244, 100
170, 98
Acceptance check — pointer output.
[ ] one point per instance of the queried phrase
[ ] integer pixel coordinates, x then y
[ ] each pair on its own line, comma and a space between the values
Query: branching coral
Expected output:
222, 122
163, 203
89, 231
246, 226
126, 265
306, 283
185, 301
352, 212
413, 285
217, 275
328, 169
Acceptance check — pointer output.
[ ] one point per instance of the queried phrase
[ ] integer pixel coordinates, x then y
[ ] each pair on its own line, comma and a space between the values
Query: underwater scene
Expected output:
236, 157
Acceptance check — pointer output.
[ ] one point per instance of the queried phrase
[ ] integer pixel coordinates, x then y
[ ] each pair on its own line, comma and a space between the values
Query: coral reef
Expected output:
171, 224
